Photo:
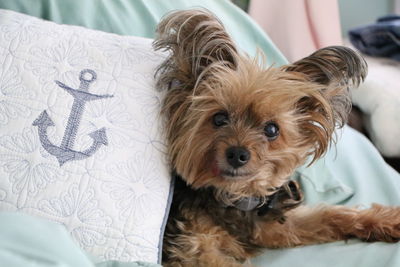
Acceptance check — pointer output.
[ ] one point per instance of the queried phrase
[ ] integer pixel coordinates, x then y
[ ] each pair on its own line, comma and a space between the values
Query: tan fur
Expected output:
208, 245
205, 74
322, 224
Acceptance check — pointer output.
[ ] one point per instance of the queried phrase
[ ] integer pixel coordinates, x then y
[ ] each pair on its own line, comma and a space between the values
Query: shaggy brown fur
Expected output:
305, 101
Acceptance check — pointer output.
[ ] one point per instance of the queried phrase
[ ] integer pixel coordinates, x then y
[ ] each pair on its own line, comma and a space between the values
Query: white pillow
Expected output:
80, 140
379, 99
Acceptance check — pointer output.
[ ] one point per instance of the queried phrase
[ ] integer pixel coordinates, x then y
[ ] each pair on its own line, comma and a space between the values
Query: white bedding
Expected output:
80, 139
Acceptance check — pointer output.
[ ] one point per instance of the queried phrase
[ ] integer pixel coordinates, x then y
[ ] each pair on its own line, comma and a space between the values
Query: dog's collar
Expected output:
248, 203
287, 197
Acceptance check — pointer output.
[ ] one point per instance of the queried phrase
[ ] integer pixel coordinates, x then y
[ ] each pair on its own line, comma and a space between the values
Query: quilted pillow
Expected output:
80, 140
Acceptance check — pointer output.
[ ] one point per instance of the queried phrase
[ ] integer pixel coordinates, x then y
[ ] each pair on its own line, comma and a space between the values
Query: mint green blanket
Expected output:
353, 173
140, 18
29, 241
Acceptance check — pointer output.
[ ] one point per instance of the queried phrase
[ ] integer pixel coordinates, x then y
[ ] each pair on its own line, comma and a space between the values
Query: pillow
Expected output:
80, 138
379, 98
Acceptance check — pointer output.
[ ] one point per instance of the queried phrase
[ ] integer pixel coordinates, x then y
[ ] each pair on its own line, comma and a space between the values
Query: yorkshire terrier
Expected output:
236, 132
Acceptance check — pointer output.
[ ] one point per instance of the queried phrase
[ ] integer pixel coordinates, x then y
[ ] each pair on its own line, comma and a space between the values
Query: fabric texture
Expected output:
44, 243
298, 28
80, 138
380, 39
140, 18
379, 99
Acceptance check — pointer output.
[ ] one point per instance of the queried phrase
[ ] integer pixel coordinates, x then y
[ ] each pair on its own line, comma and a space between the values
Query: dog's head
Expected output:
236, 125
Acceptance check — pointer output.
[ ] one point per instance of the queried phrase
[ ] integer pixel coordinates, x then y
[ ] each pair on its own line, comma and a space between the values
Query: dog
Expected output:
236, 131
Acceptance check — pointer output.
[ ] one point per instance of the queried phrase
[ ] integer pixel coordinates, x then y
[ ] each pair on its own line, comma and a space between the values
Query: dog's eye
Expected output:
271, 130
220, 119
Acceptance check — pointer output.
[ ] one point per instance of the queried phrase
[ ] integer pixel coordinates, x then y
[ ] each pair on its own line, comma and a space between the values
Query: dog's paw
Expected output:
379, 223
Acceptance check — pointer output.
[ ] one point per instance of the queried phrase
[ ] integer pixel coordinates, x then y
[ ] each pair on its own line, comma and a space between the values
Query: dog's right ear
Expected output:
196, 40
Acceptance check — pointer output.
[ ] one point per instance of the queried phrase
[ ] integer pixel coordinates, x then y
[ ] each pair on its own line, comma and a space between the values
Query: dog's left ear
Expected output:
333, 70
332, 64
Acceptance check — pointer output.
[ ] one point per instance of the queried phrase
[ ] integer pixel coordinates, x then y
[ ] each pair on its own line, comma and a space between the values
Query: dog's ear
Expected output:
332, 64
332, 70
196, 40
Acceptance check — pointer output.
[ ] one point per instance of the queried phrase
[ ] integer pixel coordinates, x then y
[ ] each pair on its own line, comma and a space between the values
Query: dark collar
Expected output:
287, 197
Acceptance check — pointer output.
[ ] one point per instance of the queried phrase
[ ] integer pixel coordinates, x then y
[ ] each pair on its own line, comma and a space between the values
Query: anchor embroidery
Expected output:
64, 152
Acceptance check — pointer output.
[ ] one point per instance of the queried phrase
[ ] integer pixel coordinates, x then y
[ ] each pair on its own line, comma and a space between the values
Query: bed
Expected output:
352, 173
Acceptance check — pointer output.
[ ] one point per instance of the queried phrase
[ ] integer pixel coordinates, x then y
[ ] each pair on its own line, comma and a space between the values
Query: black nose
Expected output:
237, 156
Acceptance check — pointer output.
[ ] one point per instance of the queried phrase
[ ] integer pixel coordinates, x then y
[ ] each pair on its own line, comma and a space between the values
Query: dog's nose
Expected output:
237, 156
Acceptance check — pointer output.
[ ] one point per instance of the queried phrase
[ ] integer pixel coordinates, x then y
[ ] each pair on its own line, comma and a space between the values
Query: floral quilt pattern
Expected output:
112, 196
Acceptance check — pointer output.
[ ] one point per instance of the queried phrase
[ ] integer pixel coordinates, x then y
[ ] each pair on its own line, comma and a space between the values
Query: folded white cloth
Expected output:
379, 98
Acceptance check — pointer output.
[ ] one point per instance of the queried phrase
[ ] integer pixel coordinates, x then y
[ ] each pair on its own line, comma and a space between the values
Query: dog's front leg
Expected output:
203, 250
306, 225
201, 243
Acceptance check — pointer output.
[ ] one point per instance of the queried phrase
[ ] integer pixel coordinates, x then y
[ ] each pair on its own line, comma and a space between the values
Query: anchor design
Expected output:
64, 152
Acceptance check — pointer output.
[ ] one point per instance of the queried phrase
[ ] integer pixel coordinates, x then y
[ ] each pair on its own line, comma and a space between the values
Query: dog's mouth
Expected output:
233, 174
229, 173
